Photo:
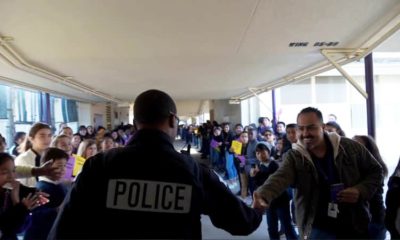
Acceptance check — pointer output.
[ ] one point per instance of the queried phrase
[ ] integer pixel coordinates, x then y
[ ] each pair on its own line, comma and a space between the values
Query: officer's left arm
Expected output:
226, 211
82, 205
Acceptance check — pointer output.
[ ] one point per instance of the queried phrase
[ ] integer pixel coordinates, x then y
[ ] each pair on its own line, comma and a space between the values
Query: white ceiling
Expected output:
193, 49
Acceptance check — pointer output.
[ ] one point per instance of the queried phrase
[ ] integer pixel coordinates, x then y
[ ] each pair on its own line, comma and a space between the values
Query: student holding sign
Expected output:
87, 148
239, 148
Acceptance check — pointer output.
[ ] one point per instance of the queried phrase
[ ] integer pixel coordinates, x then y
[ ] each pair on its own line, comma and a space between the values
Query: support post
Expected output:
325, 53
274, 121
369, 87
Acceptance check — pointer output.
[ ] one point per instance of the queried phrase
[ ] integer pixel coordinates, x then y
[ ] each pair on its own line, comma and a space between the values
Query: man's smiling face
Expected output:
310, 130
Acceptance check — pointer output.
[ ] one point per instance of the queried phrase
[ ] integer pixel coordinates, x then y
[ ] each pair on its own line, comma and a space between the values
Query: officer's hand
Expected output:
47, 169
348, 195
259, 203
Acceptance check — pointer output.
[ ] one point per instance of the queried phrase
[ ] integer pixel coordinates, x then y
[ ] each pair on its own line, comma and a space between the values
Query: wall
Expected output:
188, 109
84, 113
225, 112
123, 116
99, 114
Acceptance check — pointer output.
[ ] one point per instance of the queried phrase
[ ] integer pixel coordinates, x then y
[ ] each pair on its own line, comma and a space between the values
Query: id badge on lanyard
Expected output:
333, 207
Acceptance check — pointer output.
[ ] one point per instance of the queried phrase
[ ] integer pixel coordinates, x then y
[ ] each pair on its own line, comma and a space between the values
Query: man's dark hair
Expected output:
253, 125
19, 135
108, 135
225, 124
291, 125
280, 122
261, 119
268, 129
153, 106
311, 110
336, 125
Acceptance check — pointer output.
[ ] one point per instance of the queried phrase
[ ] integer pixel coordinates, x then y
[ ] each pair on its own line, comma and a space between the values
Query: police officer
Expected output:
149, 190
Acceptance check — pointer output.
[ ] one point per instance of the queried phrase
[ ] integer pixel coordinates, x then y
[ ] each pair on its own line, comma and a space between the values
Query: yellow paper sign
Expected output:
79, 161
236, 147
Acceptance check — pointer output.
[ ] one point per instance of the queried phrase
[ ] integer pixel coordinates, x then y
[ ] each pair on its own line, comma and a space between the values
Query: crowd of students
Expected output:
244, 157
45, 165
263, 148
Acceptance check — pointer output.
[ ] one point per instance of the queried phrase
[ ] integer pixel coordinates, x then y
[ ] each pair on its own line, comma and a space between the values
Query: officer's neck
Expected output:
163, 126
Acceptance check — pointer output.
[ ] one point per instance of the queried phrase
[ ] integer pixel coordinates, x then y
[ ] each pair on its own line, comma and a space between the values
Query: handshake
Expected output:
259, 203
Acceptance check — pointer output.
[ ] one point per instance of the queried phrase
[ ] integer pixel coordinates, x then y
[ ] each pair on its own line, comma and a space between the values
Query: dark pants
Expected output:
341, 233
281, 213
377, 231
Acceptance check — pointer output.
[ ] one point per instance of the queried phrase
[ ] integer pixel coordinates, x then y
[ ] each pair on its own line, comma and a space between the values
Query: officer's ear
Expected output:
171, 120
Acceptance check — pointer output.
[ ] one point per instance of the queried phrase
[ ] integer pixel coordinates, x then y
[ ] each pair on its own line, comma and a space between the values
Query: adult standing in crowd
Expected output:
377, 228
19, 138
334, 177
148, 189
392, 218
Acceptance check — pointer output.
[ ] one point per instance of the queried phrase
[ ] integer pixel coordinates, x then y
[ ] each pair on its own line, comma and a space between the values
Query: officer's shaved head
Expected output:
153, 106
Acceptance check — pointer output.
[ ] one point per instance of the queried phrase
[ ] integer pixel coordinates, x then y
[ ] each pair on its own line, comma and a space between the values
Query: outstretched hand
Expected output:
259, 203
49, 170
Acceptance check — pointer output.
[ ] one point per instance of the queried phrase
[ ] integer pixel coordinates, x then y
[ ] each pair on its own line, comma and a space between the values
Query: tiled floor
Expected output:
211, 232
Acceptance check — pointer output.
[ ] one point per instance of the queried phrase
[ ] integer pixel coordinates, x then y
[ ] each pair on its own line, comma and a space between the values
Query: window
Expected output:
3, 101
301, 90
26, 106
330, 89
69, 108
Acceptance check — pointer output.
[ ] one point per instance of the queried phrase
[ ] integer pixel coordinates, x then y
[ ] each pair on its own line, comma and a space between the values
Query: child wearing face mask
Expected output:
44, 216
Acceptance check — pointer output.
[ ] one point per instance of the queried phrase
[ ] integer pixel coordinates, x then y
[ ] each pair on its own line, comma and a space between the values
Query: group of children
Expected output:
30, 210
248, 157
46, 166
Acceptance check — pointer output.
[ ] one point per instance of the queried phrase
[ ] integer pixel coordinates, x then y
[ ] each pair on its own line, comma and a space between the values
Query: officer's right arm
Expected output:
226, 211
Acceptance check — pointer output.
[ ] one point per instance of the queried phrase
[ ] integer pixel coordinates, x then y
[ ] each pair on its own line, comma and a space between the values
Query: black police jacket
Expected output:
148, 190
